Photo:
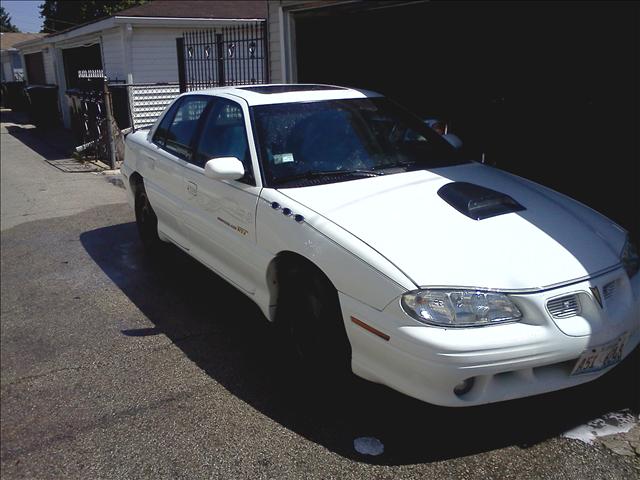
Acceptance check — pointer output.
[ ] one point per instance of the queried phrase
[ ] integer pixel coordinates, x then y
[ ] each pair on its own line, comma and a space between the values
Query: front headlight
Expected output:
629, 258
459, 308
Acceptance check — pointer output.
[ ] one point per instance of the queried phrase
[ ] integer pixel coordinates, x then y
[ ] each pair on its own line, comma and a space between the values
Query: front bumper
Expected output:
530, 357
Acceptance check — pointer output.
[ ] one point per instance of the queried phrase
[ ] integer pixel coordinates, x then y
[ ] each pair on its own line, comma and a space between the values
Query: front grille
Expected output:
564, 307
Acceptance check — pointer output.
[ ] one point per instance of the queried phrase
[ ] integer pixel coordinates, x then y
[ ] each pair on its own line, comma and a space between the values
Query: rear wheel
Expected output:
146, 220
309, 309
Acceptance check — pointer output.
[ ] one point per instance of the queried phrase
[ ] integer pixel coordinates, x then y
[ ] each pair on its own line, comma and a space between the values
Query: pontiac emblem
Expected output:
596, 295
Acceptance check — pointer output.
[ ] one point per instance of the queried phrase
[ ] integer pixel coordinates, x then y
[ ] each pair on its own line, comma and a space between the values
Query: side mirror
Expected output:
224, 168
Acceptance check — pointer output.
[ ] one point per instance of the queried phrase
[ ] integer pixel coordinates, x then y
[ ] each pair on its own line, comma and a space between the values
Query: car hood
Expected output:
554, 240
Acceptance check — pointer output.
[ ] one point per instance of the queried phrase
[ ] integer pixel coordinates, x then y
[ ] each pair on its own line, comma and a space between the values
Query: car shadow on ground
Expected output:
224, 333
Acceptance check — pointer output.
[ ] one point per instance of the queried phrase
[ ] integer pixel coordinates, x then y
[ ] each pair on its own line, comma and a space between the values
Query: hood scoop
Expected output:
477, 202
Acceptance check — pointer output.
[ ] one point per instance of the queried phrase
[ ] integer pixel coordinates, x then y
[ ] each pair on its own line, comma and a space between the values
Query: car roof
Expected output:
265, 94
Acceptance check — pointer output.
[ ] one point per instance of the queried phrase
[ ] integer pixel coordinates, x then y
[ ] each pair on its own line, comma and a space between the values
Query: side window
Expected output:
183, 126
224, 135
160, 134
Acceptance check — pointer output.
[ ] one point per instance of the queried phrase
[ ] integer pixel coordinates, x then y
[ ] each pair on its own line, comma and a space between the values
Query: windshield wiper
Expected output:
328, 173
385, 166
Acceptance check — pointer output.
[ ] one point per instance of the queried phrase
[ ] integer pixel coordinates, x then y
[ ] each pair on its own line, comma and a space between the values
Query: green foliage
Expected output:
64, 14
5, 22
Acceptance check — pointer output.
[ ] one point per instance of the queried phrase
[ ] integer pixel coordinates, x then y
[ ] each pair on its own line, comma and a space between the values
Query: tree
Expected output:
5, 22
64, 14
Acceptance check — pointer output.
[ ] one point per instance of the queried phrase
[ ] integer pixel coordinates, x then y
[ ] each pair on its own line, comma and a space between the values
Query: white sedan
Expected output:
382, 249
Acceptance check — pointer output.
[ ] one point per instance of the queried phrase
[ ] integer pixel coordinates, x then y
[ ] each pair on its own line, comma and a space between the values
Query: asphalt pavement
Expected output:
118, 365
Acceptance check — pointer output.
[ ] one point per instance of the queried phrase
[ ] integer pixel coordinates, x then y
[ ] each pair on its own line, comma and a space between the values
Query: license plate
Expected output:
601, 357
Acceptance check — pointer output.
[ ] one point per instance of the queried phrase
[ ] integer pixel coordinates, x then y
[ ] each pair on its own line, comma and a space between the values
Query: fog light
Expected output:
464, 387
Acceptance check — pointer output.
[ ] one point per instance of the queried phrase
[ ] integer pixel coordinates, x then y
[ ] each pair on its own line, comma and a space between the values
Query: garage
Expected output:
86, 57
546, 91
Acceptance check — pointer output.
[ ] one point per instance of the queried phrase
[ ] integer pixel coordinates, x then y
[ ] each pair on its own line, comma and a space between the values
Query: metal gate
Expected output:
92, 122
234, 55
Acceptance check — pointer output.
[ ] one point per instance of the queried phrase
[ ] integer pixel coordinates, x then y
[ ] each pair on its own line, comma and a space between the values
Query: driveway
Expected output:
117, 365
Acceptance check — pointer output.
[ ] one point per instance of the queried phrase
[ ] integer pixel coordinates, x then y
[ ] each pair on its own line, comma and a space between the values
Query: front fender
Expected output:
353, 267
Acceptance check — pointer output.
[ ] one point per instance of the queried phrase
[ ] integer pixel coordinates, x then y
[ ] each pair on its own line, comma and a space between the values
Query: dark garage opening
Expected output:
547, 91
80, 58
34, 64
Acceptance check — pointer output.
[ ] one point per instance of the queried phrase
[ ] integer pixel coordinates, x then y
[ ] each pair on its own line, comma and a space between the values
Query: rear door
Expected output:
168, 155
220, 214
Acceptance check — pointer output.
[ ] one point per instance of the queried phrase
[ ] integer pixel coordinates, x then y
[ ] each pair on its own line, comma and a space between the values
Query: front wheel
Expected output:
146, 220
310, 311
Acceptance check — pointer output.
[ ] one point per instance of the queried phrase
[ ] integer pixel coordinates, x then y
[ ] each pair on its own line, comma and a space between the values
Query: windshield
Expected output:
337, 140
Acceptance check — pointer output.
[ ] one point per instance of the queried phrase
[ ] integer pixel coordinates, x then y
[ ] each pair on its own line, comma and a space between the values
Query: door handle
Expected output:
192, 188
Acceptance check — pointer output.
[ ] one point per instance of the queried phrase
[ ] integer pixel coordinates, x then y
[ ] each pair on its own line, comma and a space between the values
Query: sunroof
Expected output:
267, 89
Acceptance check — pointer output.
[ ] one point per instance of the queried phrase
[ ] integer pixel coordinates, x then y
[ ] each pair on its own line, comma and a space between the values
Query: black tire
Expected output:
309, 310
146, 221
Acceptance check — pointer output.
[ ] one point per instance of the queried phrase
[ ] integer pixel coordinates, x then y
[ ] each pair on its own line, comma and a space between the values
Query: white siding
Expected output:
153, 54
112, 55
49, 70
275, 48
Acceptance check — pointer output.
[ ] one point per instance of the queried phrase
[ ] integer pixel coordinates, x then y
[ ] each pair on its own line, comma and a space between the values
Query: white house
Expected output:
143, 45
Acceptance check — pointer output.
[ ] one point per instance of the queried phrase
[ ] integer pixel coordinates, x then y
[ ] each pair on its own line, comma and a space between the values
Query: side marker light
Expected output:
369, 328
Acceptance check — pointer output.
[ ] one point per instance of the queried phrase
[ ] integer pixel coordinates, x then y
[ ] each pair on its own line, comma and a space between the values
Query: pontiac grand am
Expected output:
383, 250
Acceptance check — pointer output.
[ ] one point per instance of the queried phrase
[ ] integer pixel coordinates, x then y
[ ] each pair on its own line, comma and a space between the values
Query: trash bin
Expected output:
13, 96
42, 105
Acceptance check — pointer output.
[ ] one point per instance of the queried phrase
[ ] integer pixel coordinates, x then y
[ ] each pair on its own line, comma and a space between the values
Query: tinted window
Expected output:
160, 135
183, 126
224, 135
